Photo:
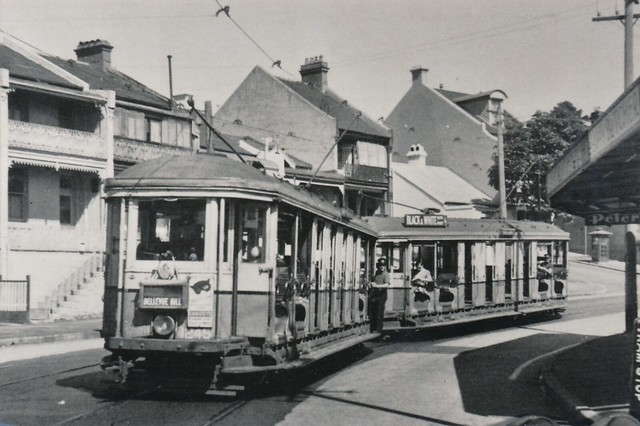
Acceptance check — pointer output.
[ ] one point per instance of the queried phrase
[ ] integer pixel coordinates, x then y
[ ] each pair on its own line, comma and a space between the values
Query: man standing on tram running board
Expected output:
378, 296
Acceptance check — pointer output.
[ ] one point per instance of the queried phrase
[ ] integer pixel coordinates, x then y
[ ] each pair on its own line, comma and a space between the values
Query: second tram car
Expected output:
446, 270
216, 273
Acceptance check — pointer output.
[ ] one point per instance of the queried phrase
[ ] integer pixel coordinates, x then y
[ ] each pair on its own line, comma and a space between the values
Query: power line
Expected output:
476, 35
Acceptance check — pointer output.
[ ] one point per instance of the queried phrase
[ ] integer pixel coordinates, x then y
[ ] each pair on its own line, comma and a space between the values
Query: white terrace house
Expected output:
59, 138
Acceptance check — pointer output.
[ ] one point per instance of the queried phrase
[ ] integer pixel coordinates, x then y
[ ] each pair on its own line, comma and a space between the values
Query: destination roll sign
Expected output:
425, 220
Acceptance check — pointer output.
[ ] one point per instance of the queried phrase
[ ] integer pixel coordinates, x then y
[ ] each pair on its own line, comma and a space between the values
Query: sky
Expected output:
539, 52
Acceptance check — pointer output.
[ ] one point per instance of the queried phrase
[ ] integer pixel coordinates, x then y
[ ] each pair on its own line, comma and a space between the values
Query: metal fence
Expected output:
15, 299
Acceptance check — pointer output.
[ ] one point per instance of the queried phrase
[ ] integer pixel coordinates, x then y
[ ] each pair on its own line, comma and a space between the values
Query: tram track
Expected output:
44, 376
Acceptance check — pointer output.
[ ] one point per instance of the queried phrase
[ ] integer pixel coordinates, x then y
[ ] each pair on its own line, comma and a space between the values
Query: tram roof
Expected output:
208, 175
394, 229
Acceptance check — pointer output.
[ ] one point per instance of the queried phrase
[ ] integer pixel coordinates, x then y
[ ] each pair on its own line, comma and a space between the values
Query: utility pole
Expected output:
631, 285
627, 19
501, 180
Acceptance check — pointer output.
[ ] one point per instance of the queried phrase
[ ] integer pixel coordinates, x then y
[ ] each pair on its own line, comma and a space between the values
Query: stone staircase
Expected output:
84, 302
79, 296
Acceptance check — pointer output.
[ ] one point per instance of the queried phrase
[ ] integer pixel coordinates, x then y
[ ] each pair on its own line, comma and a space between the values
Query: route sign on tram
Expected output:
425, 220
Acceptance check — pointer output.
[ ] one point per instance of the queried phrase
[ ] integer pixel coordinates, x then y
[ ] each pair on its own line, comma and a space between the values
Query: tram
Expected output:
216, 273
446, 271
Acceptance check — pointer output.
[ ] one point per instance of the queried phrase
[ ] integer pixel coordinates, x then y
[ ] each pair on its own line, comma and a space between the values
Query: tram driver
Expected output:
378, 295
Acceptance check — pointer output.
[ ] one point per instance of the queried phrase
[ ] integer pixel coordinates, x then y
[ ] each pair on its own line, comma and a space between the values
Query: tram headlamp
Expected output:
164, 325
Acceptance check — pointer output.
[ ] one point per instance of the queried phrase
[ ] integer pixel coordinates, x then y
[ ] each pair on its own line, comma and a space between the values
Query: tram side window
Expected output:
304, 248
284, 257
253, 232
448, 258
171, 229
559, 253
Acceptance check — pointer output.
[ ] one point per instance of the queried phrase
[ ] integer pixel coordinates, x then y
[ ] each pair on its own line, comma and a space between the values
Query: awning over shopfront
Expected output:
599, 176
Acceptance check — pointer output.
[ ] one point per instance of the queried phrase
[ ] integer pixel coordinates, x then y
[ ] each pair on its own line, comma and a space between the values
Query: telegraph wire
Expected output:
472, 36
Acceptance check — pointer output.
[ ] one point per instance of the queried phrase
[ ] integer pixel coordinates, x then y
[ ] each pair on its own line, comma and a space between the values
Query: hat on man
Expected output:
382, 261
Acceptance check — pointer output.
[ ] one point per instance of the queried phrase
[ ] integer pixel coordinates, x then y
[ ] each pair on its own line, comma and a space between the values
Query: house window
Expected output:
372, 154
18, 107
154, 130
18, 194
66, 190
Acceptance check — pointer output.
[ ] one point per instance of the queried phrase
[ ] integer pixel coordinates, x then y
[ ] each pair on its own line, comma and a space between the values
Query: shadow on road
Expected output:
493, 382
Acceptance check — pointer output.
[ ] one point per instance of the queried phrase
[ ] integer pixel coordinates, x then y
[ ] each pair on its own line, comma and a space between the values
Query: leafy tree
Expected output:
530, 149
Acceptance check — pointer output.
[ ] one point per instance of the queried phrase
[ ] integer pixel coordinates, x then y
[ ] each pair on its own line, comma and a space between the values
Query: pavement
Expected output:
592, 379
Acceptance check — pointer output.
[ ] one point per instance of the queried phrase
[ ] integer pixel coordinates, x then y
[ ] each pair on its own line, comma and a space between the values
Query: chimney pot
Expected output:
95, 52
417, 155
419, 74
314, 72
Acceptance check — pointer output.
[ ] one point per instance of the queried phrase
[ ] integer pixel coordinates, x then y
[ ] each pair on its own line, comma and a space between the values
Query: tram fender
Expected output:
237, 361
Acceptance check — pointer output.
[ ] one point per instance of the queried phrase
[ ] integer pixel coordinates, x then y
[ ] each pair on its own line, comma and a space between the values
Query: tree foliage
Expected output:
530, 149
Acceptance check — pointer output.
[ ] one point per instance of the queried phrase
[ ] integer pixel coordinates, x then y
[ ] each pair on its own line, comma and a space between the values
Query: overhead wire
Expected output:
274, 62
476, 35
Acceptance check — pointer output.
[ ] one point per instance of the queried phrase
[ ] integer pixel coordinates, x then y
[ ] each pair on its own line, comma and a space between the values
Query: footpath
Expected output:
592, 380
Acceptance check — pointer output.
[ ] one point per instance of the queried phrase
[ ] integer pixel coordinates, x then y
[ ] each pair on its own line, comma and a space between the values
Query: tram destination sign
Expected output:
613, 218
425, 220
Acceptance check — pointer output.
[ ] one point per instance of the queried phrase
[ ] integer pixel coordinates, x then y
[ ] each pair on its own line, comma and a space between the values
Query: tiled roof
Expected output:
21, 67
126, 88
440, 182
333, 105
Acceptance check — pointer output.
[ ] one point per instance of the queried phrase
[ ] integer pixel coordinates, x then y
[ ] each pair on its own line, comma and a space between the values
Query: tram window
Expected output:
172, 229
284, 258
448, 258
304, 247
544, 250
397, 261
253, 224
559, 253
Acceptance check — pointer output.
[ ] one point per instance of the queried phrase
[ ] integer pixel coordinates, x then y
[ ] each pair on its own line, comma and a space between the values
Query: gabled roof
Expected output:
126, 88
440, 183
336, 107
459, 97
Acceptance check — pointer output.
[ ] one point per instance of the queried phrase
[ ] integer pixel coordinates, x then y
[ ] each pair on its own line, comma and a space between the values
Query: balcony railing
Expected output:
134, 151
40, 137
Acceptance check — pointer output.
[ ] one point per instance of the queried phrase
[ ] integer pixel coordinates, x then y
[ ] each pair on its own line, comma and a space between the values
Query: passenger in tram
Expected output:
378, 295
422, 283
544, 273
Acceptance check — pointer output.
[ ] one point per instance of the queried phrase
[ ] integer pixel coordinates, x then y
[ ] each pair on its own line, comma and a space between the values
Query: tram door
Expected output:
253, 271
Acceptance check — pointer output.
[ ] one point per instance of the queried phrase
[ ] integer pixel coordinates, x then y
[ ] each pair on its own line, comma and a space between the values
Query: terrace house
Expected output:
66, 125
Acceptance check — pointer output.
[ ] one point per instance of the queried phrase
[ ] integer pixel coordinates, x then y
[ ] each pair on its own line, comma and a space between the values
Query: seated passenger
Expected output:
422, 283
544, 273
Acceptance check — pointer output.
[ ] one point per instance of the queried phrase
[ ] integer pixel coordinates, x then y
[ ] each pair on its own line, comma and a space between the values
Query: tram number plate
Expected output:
198, 334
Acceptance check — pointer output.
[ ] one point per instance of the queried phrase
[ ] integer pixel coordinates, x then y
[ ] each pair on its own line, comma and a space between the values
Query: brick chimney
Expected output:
95, 52
419, 75
417, 155
314, 72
